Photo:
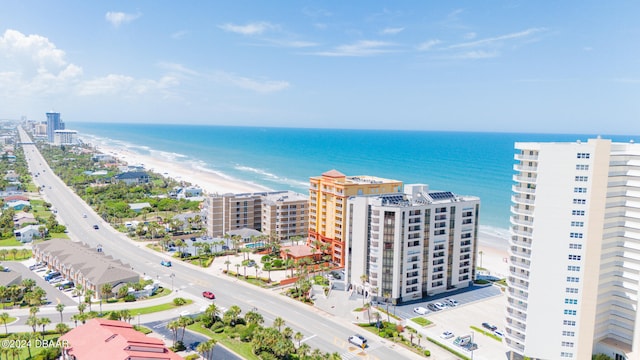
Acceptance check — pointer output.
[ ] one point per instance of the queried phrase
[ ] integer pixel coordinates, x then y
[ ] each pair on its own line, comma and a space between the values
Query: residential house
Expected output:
11, 176
27, 233
8, 278
22, 218
132, 177
16, 205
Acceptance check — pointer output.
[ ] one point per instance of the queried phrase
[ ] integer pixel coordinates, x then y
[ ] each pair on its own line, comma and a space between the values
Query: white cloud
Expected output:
360, 48
427, 45
110, 84
469, 36
498, 39
477, 54
179, 34
255, 28
177, 68
118, 18
391, 31
34, 65
261, 86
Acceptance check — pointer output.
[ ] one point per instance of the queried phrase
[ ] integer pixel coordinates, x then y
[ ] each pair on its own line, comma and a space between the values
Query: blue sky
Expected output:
552, 66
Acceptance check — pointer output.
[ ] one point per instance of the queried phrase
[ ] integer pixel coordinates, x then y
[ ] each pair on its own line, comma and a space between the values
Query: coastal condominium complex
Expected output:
328, 196
53, 123
408, 246
65, 137
282, 214
574, 251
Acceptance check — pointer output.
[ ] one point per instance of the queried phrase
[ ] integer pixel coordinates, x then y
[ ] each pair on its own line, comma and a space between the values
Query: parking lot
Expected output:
489, 308
54, 296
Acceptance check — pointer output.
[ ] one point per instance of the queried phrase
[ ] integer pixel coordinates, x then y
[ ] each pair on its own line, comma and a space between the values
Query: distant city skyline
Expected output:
508, 66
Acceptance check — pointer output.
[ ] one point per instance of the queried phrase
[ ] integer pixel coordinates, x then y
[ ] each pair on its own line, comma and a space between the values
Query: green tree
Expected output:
60, 309
205, 348
44, 322
278, 322
62, 328
4, 317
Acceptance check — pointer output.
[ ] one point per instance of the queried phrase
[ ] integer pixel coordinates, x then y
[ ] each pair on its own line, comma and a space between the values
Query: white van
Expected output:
358, 340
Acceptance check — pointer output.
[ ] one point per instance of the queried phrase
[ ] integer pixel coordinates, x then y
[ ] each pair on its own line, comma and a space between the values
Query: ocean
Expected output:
466, 163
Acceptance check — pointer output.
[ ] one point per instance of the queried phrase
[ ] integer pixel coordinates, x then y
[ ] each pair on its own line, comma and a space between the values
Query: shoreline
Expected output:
492, 242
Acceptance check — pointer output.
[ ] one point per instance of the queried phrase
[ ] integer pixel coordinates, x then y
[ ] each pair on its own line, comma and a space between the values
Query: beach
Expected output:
492, 242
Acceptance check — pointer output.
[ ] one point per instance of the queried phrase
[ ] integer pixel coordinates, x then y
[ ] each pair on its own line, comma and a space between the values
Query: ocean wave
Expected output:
167, 155
273, 178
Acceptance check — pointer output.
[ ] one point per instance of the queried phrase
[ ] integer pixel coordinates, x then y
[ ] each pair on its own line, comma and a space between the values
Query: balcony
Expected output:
527, 168
518, 295
523, 285
524, 157
517, 220
516, 325
523, 189
520, 275
527, 233
517, 305
525, 179
516, 315
519, 199
521, 211
515, 335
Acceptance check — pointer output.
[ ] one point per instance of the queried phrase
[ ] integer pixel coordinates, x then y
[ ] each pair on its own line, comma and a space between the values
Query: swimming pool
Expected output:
255, 245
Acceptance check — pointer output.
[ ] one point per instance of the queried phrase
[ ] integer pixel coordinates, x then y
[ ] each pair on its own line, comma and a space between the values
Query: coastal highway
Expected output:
320, 329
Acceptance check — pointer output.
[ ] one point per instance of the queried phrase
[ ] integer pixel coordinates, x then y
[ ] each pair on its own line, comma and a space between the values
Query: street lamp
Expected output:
472, 345
173, 275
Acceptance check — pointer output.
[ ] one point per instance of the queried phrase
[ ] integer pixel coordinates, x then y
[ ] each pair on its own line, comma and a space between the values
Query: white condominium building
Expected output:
411, 245
574, 251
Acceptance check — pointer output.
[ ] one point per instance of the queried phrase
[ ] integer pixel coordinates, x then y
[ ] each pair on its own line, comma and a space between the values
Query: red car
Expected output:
208, 295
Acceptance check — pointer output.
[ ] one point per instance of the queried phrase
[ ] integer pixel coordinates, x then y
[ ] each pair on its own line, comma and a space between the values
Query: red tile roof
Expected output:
298, 251
334, 174
101, 339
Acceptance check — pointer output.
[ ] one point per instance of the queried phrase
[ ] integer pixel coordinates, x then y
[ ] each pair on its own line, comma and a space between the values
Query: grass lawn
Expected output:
157, 308
241, 348
489, 334
20, 255
58, 235
35, 350
10, 242
421, 321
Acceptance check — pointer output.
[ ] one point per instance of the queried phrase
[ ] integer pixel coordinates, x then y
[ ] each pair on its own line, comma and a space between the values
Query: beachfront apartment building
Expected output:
53, 123
328, 196
283, 214
574, 251
65, 137
411, 245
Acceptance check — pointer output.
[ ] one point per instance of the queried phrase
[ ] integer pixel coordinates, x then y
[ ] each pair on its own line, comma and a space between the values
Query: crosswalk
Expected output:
354, 352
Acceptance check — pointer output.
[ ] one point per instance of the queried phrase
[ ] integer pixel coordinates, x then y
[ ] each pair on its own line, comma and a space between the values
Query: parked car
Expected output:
96, 227
35, 266
446, 335
451, 302
208, 295
51, 275
420, 310
440, 305
432, 307
165, 263
489, 326
358, 340
498, 333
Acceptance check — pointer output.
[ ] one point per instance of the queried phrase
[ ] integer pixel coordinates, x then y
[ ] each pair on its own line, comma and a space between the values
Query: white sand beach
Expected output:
209, 181
493, 243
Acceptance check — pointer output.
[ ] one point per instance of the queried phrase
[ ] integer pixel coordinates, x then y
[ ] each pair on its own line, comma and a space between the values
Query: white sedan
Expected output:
446, 335
420, 310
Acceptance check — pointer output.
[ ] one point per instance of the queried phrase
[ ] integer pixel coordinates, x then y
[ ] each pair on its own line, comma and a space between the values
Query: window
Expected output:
575, 235
582, 167
580, 201
575, 246
575, 257
573, 268
582, 178
584, 155
577, 223
569, 323
570, 312
567, 344
568, 333
580, 190
571, 301
572, 290
573, 279
577, 212
566, 354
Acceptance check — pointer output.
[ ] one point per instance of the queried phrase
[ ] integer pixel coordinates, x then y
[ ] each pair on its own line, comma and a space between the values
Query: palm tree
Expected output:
174, 326
44, 322
4, 317
268, 267
237, 270
303, 350
257, 267
234, 311
28, 284
363, 278
184, 322
387, 299
126, 315
32, 321
81, 308
87, 297
278, 322
298, 337
62, 328
227, 263
60, 309
287, 332
212, 311
253, 317
206, 348
3, 294
26, 338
